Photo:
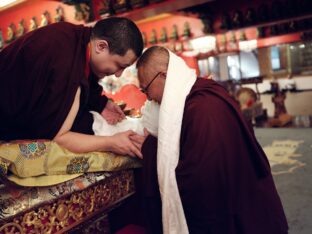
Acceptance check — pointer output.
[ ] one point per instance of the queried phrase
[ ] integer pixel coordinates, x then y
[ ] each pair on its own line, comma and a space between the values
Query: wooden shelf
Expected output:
267, 24
159, 8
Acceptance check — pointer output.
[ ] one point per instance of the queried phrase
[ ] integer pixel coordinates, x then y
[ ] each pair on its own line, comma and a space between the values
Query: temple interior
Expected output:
261, 53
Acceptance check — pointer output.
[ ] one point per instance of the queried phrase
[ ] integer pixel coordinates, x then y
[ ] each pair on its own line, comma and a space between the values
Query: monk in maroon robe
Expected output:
49, 83
223, 175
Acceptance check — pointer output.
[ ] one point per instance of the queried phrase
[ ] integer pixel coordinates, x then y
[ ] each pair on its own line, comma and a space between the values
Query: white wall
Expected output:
296, 103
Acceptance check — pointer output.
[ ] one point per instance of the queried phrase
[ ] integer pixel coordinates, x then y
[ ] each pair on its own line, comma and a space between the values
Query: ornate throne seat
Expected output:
61, 191
78, 204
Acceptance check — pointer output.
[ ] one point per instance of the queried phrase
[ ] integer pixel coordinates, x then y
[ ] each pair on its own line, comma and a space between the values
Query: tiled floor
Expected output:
290, 154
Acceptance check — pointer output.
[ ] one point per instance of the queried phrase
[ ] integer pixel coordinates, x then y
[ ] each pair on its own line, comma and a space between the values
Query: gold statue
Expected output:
10, 33
163, 35
44, 19
222, 44
1, 40
33, 24
144, 39
242, 36
20, 28
278, 100
153, 39
232, 43
174, 35
186, 30
59, 17
82, 12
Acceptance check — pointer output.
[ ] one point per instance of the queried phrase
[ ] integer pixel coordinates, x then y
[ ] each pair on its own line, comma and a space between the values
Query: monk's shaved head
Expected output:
152, 71
154, 58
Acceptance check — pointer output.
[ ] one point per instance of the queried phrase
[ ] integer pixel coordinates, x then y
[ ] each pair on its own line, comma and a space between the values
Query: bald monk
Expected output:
49, 83
205, 172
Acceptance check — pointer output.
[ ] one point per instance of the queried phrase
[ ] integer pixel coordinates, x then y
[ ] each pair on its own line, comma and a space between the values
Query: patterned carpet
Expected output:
290, 155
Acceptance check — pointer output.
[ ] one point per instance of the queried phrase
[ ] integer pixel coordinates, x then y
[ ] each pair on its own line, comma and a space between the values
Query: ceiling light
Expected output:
4, 3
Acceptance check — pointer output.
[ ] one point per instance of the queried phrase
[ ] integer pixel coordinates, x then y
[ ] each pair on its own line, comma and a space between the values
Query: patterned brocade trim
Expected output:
68, 212
4, 166
78, 165
33, 150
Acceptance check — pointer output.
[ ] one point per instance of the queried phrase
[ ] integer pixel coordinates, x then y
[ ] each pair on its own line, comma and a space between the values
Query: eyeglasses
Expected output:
144, 90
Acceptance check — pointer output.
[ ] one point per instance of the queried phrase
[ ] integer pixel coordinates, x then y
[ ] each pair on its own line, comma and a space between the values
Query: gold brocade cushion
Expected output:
41, 181
46, 158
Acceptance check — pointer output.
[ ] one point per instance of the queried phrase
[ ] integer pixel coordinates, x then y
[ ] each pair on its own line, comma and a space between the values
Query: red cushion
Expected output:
132, 229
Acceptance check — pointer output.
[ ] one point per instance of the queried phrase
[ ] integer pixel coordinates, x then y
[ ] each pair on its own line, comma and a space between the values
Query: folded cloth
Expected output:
102, 128
149, 120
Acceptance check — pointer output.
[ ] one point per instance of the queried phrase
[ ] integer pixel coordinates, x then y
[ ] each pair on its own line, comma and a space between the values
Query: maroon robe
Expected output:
39, 76
223, 175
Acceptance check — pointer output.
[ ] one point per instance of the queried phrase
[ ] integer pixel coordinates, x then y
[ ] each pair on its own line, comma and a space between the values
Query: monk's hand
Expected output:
112, 113
138, 140
122, 144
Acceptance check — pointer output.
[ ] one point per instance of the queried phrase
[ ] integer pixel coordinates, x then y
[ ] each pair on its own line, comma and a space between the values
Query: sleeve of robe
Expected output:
40, 73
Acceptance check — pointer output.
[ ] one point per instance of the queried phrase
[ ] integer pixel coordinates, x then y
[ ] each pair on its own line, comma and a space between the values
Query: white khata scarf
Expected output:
149, 120
179, 81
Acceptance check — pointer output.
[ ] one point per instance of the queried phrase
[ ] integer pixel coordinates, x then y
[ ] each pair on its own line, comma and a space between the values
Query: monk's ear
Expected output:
101, 46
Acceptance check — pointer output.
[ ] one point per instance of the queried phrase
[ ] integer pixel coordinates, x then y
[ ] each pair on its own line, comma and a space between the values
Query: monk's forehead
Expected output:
159, 57
145, 71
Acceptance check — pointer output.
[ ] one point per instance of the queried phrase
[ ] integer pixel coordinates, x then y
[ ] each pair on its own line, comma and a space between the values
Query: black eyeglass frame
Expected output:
145, 90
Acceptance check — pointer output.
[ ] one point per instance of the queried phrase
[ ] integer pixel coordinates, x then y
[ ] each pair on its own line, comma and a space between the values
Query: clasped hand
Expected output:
126, 143
112, 113
129, 143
